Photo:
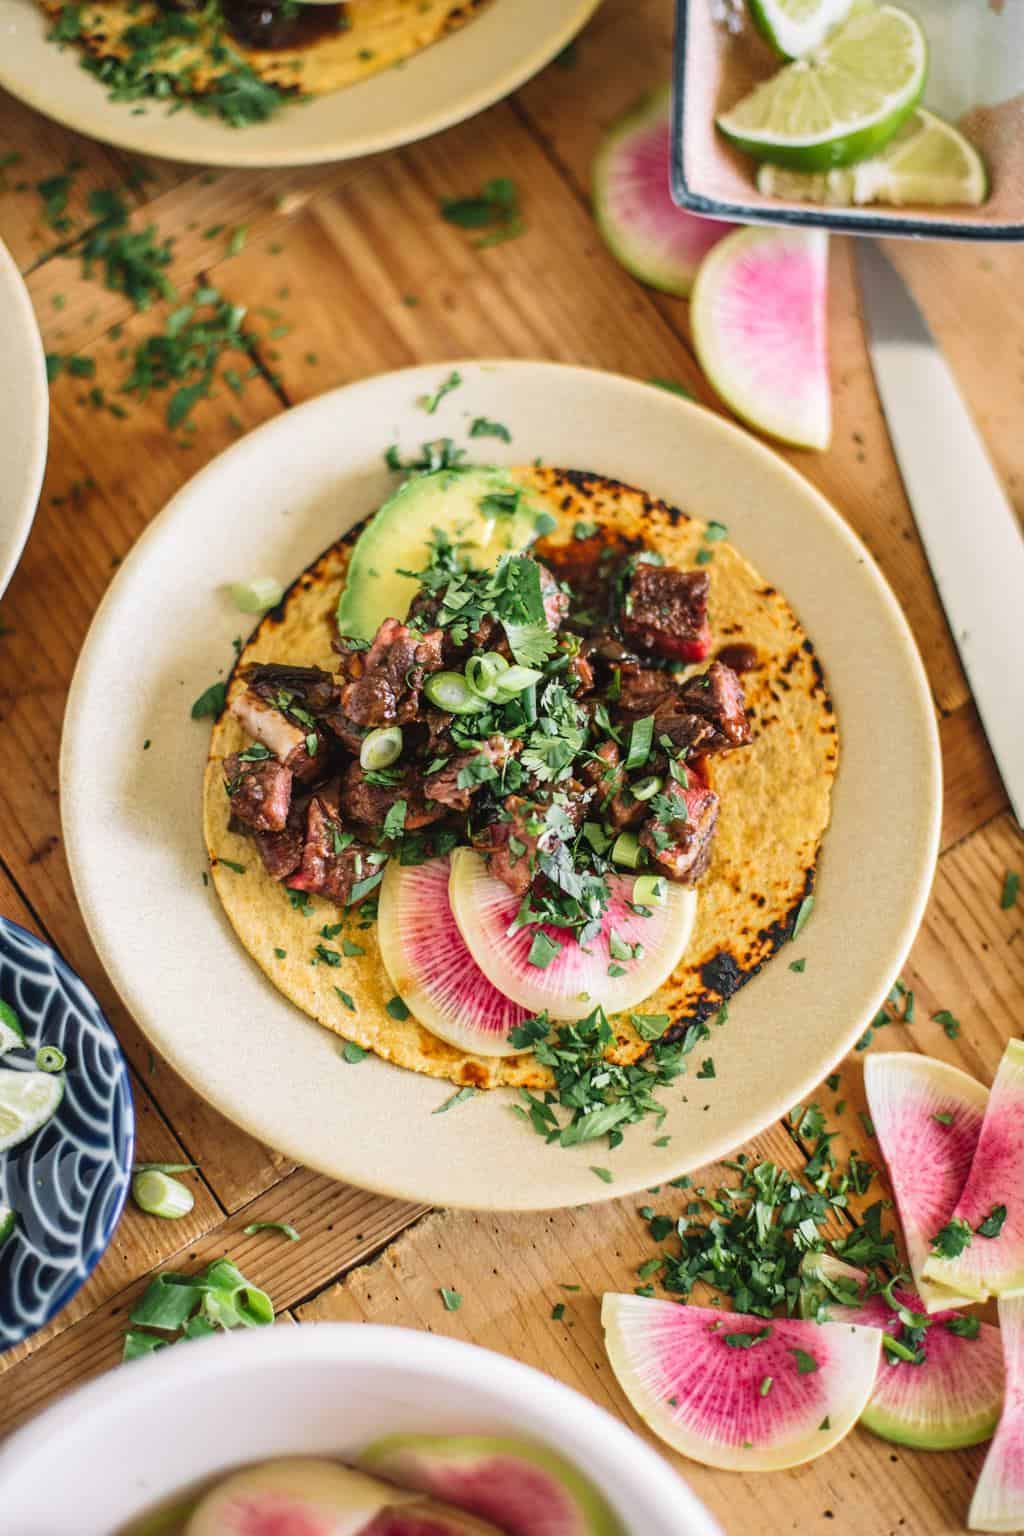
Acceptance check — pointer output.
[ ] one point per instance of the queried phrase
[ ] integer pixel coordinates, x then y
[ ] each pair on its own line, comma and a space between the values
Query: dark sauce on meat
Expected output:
270, 24
740, 656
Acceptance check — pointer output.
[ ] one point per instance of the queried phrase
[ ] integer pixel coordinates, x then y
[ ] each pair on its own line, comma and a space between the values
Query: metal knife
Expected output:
968, 527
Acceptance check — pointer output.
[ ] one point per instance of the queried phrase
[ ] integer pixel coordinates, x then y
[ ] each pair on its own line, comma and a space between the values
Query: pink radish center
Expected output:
518, 1498
640, 201
770, 309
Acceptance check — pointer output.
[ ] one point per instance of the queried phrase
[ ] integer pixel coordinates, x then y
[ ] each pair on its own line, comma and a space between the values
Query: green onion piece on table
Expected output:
159, 1195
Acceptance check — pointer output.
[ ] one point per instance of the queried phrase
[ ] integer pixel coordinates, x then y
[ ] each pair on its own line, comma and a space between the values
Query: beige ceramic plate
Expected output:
473, 68
132, 818
24, 415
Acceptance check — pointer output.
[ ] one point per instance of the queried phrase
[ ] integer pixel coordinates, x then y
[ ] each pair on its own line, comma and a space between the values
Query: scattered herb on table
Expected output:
175, 1307
452, 1299
285, 1229
950, 1023
1011, 889
674, 387
495, 209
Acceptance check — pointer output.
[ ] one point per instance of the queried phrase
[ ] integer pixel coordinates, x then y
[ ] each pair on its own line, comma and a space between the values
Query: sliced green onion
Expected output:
50, 1059
645, 789
516, 681
256, 596
380, 748
627, 850
650, 891
450, 691
284, 1227
640, 739
159, 1195
164, 1167
484, 673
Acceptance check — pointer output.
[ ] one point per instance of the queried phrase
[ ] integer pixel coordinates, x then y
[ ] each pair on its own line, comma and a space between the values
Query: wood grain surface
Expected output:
346, 271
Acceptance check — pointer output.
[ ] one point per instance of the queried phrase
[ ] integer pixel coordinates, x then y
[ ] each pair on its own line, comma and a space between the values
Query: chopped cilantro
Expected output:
805, 1363
1011, 888
353, 1053
558, 1311
459, 1097
949, 1022
543, 950
673, 387
604, 1174
396, 1008
951, 1240
993, 1223
964, 1327
495, 209
482, 427
804, 911
346, 998
238, 869
431, 402
452, 1299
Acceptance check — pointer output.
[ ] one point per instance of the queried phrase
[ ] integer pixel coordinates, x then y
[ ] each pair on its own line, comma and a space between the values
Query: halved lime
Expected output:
12, 1036
927, 161
8, 1222
843, 102
795, 27
27, 1101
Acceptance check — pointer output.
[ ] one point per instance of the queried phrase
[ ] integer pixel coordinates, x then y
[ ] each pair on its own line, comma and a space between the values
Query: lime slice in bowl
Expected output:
795, 27
12, 1036
842, 103
27, 1101
927, 161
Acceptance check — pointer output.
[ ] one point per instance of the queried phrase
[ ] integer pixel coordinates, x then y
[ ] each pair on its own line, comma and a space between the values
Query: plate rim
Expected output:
15, 295
903, 936
129, 1131
32, 93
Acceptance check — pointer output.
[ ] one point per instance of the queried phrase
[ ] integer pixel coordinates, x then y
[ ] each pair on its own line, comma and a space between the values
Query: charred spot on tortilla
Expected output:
774, 795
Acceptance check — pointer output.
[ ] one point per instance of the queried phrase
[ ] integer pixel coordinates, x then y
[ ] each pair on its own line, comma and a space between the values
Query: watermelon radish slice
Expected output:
521, 1488
758, 316
992, 1201
430, 967
927, 1117
998, 1503
300, 1497
572, 981
953, 1398
654, 240
785, 1397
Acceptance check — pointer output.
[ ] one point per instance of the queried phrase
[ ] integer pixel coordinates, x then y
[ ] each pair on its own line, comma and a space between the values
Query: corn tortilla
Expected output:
775, 797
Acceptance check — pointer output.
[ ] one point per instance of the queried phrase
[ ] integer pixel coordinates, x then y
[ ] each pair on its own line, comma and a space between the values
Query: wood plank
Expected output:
972, 790
510, 1270
339, 1226
94, 504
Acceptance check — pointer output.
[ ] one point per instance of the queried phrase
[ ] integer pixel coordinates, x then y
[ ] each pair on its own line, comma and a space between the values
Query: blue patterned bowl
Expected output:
68, 1183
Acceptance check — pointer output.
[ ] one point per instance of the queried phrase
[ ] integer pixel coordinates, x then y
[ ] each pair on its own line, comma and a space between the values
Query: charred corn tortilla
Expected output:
381, 33
775, 798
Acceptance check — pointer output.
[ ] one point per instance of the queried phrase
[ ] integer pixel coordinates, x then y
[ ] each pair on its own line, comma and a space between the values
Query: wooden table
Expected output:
368, 277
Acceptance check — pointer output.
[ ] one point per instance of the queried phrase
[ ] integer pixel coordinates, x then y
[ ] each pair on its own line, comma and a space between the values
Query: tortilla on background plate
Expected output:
376, 35
775, 798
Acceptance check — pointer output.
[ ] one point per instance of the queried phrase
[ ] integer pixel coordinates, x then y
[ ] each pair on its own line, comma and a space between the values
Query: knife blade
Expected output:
967, 525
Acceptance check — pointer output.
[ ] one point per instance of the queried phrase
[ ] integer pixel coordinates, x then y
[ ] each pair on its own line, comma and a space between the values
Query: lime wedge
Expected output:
8, 1221
927, 161
27, 1101
841, 103
795, 27
12, 1036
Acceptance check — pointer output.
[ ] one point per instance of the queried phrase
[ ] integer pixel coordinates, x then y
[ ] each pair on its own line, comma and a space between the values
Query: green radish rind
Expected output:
992, 1266
788, 38
998, 1502
419, 1462
659, 1349
953, 1402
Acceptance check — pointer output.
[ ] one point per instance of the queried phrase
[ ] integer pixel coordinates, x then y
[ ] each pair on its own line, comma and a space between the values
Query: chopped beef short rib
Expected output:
281, 852
717, 697
368, 803
327, 869
686, 853
644, 691
612, 798
289, 742
443, 785
665, 612
386, 680
260, 792
313, 689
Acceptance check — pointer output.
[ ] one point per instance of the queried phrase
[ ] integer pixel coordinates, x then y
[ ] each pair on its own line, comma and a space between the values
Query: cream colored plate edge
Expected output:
460, 75
24, 415
132, 818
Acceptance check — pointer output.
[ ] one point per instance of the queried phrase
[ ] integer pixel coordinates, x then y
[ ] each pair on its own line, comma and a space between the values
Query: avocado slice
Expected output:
480, 507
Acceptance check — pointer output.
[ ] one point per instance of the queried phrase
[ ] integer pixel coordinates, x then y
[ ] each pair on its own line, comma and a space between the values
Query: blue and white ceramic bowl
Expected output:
68, 1183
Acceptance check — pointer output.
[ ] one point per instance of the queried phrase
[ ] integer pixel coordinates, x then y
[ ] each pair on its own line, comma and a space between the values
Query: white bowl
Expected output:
148, 1429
